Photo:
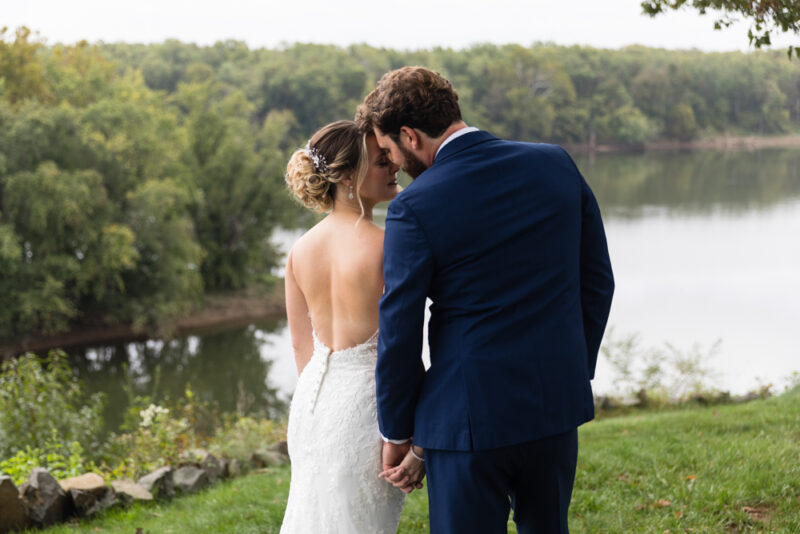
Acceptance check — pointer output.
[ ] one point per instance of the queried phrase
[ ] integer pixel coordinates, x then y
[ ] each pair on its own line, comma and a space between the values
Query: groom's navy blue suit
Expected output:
507, 241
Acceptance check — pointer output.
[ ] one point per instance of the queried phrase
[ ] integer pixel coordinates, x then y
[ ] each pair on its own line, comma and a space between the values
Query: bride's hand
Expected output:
409, 474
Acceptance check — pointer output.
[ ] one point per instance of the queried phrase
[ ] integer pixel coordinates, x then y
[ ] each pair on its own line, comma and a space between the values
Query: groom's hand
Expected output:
409, 474
393, 454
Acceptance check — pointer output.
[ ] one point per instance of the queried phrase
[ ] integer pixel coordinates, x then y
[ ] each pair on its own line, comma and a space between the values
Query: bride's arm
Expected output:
299, 321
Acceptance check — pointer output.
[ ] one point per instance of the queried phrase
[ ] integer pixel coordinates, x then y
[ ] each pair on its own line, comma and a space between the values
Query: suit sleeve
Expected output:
597, 279
408, 271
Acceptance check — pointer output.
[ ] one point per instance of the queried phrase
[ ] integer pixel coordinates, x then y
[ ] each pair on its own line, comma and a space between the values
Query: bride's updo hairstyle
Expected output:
334, 153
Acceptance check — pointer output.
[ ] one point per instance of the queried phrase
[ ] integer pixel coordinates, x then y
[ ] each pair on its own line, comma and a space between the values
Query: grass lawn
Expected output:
720, 469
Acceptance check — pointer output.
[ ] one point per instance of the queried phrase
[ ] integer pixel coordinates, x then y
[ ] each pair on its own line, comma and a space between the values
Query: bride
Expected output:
334, 281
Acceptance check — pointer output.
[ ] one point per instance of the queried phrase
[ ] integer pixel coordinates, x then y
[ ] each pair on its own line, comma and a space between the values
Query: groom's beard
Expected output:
412, 165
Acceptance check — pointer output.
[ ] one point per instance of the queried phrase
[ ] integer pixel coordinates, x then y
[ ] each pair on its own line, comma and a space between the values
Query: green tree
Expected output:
166, 279
21, 67
238, 184
681, 123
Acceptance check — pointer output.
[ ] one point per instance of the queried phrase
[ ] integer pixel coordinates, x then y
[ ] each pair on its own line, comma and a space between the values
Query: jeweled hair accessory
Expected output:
320, 165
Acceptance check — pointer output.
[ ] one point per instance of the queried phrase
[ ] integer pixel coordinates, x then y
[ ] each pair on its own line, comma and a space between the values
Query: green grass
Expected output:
720, 469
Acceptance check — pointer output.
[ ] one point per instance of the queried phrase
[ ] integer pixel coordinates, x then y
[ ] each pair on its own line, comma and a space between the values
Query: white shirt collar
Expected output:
454, 135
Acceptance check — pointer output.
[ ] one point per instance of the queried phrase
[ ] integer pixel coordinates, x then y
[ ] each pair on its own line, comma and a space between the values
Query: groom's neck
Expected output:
437, 142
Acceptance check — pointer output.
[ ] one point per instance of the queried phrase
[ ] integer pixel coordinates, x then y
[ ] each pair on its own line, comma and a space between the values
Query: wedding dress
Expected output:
335, 448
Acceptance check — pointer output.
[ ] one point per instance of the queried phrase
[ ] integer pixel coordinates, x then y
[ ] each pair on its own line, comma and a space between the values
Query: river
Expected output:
705, 248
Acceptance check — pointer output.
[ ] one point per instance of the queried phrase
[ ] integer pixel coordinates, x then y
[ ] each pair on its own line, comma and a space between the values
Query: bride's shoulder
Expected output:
372, 234
308, 243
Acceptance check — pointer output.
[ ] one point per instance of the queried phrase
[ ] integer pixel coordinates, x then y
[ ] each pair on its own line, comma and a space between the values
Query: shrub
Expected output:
61, 462
42, 405
158, 440
241, 436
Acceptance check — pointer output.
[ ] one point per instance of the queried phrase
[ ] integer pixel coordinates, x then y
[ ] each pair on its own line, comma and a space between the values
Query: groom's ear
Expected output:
412, 136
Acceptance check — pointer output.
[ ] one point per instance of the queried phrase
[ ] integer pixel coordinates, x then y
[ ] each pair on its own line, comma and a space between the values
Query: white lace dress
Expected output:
335, 448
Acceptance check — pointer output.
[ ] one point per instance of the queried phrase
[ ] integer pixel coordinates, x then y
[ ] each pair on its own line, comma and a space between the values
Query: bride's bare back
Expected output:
333, 284
334, 277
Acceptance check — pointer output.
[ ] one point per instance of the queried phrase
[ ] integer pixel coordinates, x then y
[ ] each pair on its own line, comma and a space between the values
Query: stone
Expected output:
89, 503
160, 483
47, 502
189, 479
90, 482
281, 447
236, 468
12, 508
606, 403
213, 468
128, 491
224, 465
267, 458
196, 455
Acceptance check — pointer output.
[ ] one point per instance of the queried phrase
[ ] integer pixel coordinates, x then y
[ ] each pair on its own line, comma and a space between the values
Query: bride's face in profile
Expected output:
380, 182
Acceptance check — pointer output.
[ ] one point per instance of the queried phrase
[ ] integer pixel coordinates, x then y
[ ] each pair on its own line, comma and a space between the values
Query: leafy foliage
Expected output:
60, 461
119, 203
42, 403
241, 436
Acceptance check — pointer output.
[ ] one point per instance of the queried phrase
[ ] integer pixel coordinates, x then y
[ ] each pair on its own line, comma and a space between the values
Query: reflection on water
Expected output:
222, 367
705, 247
692, 183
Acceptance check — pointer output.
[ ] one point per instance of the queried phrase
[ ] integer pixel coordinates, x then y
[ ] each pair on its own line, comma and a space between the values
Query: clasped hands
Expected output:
401, 468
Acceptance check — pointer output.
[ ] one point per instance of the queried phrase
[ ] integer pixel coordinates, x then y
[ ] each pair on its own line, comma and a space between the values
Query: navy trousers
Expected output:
473, 492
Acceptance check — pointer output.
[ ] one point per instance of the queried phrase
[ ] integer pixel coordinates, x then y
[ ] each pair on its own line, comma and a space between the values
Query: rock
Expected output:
160, 483
196, 455
89, 503
213, 468
224, 465
47, 502
236, 468
128, 491
89, 494
267, 458
189, 479
202, 459
282, 447
89, 482
606, 403
12, 508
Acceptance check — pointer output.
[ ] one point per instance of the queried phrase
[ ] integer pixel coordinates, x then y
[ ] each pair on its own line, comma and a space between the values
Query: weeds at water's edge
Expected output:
667, 378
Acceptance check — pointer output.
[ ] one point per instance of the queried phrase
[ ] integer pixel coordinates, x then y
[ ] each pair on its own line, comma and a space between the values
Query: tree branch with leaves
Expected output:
768, 17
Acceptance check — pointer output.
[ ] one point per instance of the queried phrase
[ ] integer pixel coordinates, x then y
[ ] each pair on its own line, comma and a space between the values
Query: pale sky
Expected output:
411, 24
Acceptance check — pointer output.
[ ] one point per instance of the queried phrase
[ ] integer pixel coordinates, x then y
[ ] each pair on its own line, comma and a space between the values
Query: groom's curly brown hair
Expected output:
411, 96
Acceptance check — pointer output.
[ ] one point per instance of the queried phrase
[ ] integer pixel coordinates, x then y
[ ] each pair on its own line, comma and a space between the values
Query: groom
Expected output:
506, 239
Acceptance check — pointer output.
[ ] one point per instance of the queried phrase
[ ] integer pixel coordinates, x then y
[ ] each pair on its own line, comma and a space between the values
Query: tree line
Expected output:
135, 178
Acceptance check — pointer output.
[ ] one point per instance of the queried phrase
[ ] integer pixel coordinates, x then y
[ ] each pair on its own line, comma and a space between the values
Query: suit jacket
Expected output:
507, 241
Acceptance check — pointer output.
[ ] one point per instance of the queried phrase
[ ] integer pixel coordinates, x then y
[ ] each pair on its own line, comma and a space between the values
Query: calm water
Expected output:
705, 247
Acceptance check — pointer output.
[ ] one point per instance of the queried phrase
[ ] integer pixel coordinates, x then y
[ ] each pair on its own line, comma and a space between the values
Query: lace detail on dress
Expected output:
335, 447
